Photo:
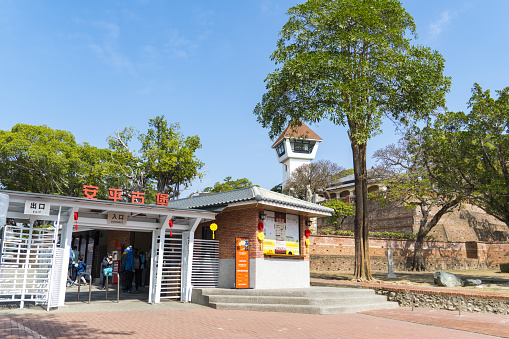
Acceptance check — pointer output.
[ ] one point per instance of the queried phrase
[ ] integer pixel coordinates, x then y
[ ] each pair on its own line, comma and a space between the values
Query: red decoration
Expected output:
307, 233
162, 199
171, 225
115, 194
76, 221
137, 197
90, 191
260, 225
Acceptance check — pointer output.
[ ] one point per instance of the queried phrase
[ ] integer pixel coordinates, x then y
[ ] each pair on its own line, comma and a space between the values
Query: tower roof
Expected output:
301, 132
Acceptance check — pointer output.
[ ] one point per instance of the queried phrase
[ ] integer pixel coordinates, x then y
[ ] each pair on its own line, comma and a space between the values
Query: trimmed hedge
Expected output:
504, 267
390, 235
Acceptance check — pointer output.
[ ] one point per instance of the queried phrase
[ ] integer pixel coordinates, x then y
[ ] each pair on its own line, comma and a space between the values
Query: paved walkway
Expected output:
133, 317
176, 320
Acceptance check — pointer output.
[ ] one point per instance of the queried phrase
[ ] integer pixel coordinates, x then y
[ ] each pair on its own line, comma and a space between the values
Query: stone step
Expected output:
290, 292
306, 309
313, 300
318, 301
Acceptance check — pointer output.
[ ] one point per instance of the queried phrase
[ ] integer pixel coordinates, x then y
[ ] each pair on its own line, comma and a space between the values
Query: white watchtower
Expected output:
296, 146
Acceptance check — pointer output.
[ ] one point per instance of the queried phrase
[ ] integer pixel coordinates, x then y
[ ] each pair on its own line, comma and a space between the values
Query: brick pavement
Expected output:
211, 323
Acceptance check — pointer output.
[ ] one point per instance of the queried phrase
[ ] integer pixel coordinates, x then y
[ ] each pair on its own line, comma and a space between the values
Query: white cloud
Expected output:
108, 54
178, 45
438, 26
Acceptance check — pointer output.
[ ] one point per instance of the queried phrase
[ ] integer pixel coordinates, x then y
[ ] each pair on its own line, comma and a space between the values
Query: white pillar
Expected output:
65, 243
152, 289
155, 274
187, 262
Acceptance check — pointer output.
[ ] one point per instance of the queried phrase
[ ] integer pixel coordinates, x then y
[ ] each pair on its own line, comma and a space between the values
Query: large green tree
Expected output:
401, 168
351, 62
43, 160
228, 185
170, 157
468, 153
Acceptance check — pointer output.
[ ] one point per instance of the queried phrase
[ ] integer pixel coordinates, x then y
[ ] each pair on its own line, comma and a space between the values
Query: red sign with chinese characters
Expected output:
115, 194
241, 262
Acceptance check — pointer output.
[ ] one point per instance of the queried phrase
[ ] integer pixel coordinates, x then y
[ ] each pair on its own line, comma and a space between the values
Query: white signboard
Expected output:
115, 218
37, 207
292, 227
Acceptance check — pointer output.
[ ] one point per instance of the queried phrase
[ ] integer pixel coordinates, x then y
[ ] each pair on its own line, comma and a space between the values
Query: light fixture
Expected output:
262, 216
308, 222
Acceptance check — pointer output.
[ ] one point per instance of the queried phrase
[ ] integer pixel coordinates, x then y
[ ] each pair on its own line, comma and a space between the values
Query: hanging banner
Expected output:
241, 262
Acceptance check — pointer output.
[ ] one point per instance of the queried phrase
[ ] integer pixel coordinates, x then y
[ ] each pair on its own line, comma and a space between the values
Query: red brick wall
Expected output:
118, 238
243, 222
338, 253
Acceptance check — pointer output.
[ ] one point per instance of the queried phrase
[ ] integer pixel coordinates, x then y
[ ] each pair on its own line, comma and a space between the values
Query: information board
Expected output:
241, 262
282, 233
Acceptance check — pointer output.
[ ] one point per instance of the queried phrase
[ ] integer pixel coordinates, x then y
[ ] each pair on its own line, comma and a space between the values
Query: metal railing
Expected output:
89, 285
110, 274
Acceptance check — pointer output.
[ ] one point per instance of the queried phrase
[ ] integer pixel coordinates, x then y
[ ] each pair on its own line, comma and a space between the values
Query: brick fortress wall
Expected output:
337, 253
468, 223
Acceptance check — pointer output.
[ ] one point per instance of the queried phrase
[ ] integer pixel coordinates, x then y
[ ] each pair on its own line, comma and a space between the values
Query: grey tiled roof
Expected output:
222, 199
348, 181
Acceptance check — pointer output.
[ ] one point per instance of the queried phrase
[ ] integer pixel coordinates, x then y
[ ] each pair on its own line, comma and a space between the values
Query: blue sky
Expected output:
92, 67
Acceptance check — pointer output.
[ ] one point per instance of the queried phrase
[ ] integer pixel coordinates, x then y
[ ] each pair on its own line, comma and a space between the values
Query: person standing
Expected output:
143, 265
129, 269
137, 269
106, 263
147, 272
74, 262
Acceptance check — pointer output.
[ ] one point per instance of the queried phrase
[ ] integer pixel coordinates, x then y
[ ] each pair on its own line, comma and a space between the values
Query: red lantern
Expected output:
307, 233
260, 225
171, 225
76, 221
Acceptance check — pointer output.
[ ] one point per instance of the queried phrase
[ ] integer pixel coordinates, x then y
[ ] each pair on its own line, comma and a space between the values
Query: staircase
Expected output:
313, 300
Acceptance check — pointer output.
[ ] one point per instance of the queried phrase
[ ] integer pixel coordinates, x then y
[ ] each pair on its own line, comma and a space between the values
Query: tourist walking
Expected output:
80, 271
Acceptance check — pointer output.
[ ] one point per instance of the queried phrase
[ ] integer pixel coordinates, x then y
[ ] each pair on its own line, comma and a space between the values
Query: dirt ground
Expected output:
492, 279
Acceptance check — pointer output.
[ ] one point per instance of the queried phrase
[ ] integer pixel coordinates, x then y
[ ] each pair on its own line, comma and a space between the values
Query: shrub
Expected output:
504, 267
390, 235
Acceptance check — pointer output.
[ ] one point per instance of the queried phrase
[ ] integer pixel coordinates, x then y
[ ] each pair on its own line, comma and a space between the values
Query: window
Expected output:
302, 146
280, 149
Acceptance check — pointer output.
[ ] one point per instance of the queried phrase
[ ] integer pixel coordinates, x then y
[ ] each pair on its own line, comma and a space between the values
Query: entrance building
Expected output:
193, 242
35, 246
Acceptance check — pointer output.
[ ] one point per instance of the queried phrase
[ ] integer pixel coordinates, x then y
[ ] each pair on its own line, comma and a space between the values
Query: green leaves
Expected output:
169, 157
40, 159
341, 211
229, 185
350, 62
468, 152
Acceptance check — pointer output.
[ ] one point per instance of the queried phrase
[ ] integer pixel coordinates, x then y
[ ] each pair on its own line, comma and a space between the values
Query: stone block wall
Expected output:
467, 223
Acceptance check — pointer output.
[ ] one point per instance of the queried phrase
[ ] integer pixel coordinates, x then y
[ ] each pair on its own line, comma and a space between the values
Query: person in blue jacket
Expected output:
129, 269
80, 270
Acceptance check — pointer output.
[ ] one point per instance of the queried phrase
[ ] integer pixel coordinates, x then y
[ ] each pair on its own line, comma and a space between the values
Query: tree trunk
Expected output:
425, 227
361, 230
418, 262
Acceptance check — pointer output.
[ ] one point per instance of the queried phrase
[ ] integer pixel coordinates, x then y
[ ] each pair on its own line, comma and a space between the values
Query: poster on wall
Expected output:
241, 262
281, 232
